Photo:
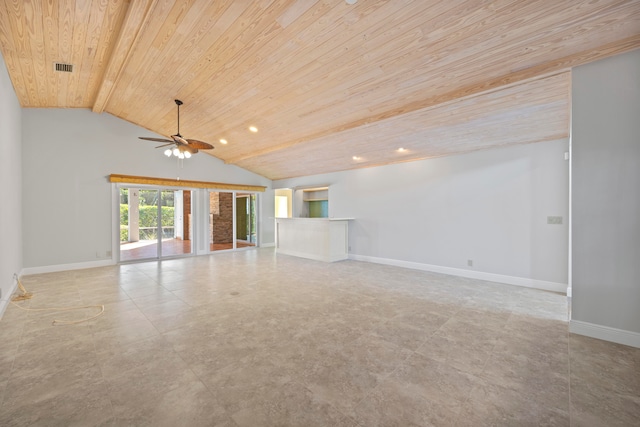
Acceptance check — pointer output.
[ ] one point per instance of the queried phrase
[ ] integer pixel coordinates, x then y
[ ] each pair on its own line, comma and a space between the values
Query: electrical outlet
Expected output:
108, 254
470, 262
554, 220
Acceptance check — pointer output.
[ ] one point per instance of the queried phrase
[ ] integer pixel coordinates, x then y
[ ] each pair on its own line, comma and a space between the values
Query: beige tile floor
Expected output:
255, 339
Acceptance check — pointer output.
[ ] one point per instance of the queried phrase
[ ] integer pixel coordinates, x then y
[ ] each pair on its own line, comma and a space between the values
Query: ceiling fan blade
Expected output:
183, 144
190, 146
199, 144
155, 139
179, 140
189, 149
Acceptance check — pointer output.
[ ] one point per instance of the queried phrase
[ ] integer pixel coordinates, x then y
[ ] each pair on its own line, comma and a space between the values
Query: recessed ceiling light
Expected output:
401, 150
356, 158
253, 129
223, 141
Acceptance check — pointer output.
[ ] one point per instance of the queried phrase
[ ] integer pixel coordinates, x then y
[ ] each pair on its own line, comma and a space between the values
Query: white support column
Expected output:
178, 215
134, 214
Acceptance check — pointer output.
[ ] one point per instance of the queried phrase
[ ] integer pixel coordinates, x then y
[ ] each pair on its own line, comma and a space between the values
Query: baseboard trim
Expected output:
268, 245
480, 275
605, 333
302, 255
66, 267
4, 303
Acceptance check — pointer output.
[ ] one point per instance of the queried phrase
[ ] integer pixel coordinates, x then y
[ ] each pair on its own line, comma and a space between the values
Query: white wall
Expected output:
10, 187
67, 157
606, 199
488, 206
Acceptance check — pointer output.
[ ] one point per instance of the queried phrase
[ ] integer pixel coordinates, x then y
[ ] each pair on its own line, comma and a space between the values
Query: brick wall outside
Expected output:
186, 200
223, 221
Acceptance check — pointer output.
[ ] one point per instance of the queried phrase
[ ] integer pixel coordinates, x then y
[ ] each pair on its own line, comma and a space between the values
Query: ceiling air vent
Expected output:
67, 68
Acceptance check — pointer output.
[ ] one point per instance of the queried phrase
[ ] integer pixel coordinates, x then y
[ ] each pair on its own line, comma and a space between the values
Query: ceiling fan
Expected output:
183, 147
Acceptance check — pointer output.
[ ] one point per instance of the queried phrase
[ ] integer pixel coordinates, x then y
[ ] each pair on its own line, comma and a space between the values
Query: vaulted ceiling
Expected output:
330, 86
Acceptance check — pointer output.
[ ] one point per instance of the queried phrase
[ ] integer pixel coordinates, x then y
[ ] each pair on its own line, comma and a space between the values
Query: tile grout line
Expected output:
388, 375
13, 362
104, 378
468, 397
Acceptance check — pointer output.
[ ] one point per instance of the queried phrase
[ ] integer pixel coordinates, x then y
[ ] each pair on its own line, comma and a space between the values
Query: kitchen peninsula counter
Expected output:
321, 239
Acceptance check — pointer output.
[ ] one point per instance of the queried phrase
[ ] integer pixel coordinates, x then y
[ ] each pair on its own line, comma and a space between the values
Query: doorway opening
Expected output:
233, 220
246, 220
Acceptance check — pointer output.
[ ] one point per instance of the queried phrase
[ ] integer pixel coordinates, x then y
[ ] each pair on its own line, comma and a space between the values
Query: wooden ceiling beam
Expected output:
137, 18
545, 69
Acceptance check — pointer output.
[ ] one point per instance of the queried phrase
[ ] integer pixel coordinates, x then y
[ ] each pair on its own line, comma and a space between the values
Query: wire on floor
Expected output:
26, 295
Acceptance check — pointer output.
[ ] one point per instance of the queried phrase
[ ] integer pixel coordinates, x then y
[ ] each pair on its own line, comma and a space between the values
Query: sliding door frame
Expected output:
200, 209
234, 198
159, 189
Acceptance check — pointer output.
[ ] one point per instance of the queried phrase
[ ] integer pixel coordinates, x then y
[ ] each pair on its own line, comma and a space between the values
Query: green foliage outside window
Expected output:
148, 218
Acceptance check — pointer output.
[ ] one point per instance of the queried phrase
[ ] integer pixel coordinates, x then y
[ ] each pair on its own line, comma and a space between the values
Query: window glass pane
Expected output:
138, 224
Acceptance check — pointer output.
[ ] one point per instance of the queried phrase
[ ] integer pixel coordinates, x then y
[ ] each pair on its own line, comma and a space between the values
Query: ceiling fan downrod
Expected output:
178, 103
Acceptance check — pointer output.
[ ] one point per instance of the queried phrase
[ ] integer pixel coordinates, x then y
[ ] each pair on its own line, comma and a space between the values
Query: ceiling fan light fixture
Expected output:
176, 152
168, 152
187, 154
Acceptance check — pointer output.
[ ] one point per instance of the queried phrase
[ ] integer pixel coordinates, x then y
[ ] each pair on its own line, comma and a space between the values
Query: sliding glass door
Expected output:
176, 223
246, 220
233, 220
160, 222
154, 223
221, 220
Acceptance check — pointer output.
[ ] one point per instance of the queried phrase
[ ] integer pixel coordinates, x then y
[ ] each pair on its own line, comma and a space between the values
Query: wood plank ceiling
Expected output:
330, 86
